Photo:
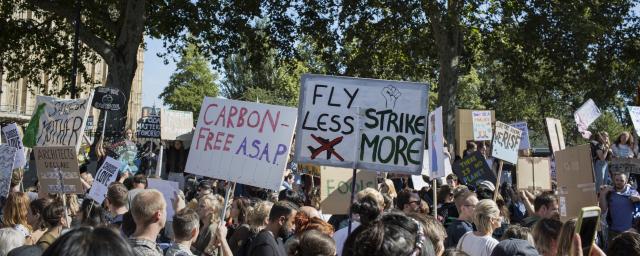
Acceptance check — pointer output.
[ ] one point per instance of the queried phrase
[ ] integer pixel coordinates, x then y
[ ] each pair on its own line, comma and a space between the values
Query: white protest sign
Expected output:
506, 142
481, 125
436, 145
7, 155
241, 141
61, 122
12, 136
174, 123
104, 176
634, 112
361, 123
524, 139
585, 116
168, 189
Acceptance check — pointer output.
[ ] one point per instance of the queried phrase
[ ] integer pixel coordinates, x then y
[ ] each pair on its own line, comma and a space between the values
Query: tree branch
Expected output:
101, 46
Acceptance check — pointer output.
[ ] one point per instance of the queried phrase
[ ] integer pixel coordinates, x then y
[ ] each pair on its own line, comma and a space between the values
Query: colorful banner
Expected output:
506, 142
148, 127
241, 141
363, 123
481, 125
107, 174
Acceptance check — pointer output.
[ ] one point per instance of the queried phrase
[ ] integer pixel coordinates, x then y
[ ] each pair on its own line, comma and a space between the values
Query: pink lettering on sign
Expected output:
237, 117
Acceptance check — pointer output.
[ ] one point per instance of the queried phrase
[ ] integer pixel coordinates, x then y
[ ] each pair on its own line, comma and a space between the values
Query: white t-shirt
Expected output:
477, 245
341, 235
622, 151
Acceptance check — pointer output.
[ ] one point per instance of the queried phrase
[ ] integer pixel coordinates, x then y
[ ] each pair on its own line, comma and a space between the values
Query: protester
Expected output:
486, 218
624, 147
364, 210
10, 238
241, 231
518, 232
54, 217
465, 201
627, 243
149, 213
409, 201
90, 241
512, 246
545, 235
185, 229
91, 214
139, 183
209, 209
176, 162
15, 214
617, 204
116, 203
281, 225
452, 180
546, 206
257, 218
35, 217
565, 238
303, 223
433, 230
311, 243
602, 152
446, 206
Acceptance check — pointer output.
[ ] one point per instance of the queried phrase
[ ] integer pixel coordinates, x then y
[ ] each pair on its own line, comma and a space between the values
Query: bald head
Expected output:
149, 207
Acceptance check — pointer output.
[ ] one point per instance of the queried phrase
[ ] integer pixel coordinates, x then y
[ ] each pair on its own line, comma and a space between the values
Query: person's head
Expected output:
186, 225
518, 232
486, 216
91, 214
149, 209
310, 211
128, 134
433, 229
471, 147
370, 192
16, 209
602, 137
177, 144
140, 181
303, 223
466, 202
239, 210
452, 180
116, 196
387, 187
454, 252
620, 180
627, 243
289, 179
409, 201
10, 238
259, 216
565, 238
445, 194
545, 235
282, 219
293, 196
35, 214
624, 138
90, 241
53, 215
209, 208
392, 234
367, 208
311, 242
546, 206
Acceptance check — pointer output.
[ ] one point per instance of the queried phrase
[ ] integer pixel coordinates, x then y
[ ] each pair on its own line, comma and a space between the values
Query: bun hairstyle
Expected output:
311, 242
367, 208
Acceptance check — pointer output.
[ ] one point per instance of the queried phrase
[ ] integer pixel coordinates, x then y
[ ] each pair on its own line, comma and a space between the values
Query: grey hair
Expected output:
10, 239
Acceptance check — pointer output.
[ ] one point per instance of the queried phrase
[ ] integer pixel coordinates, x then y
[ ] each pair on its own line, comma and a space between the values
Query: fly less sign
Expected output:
367, 124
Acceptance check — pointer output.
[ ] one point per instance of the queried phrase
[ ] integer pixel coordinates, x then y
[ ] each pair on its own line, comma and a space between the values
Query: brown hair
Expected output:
565, 238
15, 210
304, 223
185, 221
545, 232
117, 194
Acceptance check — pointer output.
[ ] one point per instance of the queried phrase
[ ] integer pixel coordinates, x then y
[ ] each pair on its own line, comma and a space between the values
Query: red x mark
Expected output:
326, 145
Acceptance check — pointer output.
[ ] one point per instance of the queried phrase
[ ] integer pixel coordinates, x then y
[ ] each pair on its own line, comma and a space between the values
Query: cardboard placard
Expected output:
13, 138
524, 137
585, 116
241, 141
107, 174
576, 186
481, 125
168, 189
473, 169
7, 155
51, 159
634, 113
376, 124
506, 142
625, 165
335, 192
464, 129
148, 127
533, 173
174, 123
58, 122
436, 145
554, 134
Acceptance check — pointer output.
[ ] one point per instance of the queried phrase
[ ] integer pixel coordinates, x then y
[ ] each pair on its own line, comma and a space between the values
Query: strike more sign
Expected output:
241, 141
58, 122
506, 142
52, 160
361, 123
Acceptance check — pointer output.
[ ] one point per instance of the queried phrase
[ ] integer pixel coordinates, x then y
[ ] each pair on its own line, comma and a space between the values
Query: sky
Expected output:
155, 75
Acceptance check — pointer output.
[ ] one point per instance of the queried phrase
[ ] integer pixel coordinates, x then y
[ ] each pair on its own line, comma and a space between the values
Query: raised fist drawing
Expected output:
391, 95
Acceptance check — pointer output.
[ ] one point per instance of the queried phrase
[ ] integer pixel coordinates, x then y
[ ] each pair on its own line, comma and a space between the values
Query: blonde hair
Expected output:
258, 214
15, 210
391, 189
565, 238
485, 211
214, 202
145, 204
377, 196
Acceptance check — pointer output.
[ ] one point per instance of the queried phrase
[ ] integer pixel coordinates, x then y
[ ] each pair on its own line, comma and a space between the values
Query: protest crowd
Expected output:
139, 209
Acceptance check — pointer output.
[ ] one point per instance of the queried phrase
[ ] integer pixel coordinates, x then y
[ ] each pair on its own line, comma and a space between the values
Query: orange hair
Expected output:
16, 209
304, 223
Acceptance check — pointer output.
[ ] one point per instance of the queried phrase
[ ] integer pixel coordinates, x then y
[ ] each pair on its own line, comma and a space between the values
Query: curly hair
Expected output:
304, 223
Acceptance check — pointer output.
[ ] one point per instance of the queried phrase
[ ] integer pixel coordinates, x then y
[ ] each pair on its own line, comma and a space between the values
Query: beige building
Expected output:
18, 98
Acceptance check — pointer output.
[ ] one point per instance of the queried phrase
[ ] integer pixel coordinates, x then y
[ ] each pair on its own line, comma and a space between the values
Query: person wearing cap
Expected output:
514, 246
546, 207
205, 188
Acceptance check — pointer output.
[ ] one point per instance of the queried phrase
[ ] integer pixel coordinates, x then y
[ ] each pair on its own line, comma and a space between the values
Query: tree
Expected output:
192, 81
